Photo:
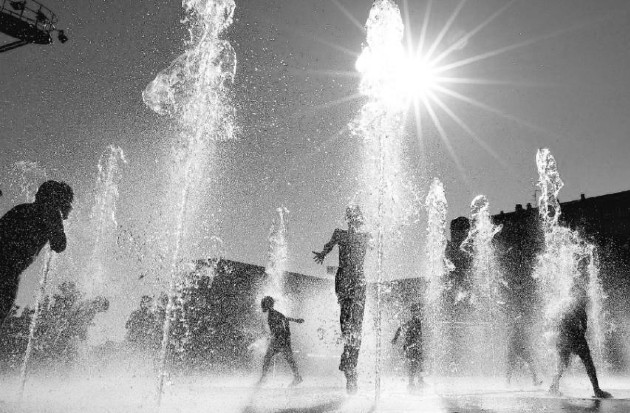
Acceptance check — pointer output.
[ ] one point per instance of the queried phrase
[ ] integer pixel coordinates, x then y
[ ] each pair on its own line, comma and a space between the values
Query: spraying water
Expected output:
437, 266
193, 89
278, 257
103, 214
43, 281
380, 124
486, 276
559, 264
28, 176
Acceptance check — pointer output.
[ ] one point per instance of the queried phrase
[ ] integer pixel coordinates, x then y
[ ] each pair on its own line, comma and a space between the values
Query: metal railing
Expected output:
32, 12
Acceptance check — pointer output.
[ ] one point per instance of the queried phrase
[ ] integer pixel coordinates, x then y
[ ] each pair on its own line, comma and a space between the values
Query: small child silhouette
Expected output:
412, 345
25, 230
280, 340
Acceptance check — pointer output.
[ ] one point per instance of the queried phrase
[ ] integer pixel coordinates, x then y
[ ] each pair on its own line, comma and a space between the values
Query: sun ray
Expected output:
471, 33
425, 26
418, 119
509, 48
444, 136
482, 81
468, 130
496, 111
333, 73
408, 31
333, 103
342, 49
326, 105
349, 15
419, 136
445, 29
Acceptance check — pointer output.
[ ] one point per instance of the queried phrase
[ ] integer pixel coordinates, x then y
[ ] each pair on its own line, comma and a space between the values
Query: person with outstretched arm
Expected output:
280, 340
350, 287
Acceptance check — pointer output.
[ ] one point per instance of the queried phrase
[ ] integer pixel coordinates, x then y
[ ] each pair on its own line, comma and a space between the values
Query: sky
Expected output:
555, 75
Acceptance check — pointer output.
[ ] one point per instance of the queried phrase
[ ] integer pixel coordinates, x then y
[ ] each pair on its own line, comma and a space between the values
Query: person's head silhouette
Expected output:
267, 303
416, 310
57, 195
354, 216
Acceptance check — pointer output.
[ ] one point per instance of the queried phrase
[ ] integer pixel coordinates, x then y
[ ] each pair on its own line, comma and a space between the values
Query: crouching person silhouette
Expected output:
280, 340
25, 230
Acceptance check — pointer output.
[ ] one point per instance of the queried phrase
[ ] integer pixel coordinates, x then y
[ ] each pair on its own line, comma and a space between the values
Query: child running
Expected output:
280, 340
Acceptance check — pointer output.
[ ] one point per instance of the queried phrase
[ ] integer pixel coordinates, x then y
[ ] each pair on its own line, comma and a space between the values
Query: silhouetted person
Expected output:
350, 289
25, 230
572, 340
412, 345
280, 340
519, 345
141, 324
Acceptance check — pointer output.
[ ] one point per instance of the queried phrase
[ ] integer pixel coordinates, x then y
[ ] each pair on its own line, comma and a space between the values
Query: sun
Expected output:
392, 73
421, 76
418, 77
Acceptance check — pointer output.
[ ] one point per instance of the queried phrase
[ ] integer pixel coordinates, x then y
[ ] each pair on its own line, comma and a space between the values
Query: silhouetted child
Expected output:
350, 289
412, 345
572, 340
25, 230
280, 340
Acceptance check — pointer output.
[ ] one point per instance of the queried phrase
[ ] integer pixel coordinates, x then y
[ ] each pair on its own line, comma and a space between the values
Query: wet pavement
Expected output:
126, 393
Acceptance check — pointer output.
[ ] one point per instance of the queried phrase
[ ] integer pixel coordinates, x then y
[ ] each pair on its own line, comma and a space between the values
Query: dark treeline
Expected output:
64, 320
212, 324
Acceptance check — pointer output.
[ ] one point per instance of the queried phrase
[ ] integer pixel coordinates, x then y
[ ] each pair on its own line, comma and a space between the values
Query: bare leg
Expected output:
351, 320
529, 359
564, 355
585, 355
267, 362
288, 355
511, 363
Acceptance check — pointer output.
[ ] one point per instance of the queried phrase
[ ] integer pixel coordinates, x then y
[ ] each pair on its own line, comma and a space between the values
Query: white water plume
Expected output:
487, 280
193, 89
380, 124
436, 268
278, 256
561, 264
103, 214
485, 267
387, 198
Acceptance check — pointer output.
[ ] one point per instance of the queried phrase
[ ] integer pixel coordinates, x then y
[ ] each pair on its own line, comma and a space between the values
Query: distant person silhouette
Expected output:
572, 340
25, 230
412, 345
141, 324
350, 288
280, 340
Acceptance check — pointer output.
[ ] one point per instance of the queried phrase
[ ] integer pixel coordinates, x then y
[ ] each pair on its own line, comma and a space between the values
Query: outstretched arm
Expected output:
319, 256
296, 320
396, 335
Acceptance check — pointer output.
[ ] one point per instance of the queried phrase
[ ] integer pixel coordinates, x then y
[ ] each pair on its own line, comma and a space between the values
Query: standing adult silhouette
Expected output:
350, 287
